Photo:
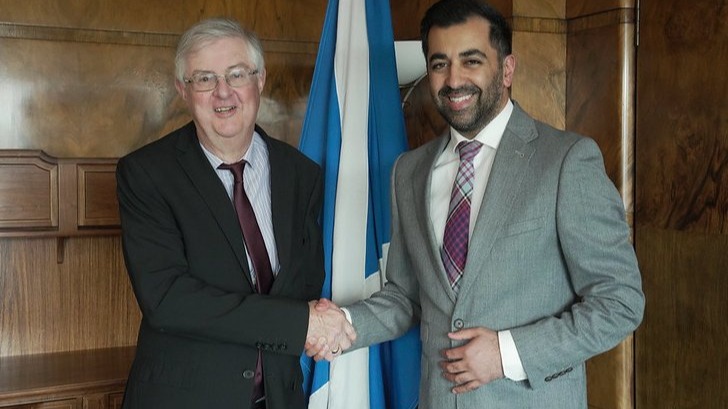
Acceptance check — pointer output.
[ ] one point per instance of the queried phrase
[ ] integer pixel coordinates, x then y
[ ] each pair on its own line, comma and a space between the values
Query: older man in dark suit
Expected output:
221, 242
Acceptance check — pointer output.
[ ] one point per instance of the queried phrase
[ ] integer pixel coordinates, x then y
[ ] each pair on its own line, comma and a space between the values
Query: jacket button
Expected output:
248, 374
459, 324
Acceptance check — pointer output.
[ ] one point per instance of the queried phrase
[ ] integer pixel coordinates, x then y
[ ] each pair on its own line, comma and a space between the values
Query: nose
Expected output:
455, 76
222, 89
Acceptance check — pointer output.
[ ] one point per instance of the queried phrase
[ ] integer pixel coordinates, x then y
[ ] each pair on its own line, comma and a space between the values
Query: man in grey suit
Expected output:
509, 242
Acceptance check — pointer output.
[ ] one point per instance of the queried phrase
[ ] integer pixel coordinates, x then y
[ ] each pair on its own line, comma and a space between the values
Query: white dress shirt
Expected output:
443, 177
256, 181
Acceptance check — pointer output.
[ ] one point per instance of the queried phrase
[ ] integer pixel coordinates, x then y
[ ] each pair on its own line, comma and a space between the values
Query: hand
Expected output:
474, 364
329, 332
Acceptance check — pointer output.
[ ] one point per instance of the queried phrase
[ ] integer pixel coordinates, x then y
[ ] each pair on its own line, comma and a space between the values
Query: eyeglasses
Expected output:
207, 81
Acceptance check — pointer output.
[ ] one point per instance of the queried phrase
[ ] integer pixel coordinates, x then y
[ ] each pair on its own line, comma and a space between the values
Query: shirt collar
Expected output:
256, 145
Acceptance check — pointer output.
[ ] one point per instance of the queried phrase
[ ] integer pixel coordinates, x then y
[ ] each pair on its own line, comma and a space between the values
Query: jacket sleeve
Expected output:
601, 266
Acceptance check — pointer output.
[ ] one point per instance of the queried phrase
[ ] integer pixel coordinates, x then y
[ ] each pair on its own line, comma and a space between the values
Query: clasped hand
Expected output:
329, 332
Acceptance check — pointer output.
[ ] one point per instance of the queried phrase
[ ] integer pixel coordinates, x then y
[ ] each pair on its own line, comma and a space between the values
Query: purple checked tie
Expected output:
256, 250
454, 250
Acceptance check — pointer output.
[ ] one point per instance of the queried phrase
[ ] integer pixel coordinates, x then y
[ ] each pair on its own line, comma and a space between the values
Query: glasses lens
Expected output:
204, 81
238, 77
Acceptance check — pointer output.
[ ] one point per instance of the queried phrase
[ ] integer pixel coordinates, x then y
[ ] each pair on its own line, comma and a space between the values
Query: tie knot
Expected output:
237, 169
468, 149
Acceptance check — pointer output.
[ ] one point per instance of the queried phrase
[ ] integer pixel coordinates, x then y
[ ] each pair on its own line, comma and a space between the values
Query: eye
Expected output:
472, 62
437, 66
237, 74
205, 78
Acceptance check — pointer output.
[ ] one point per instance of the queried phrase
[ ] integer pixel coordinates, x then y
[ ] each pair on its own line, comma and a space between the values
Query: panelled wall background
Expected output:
93, 79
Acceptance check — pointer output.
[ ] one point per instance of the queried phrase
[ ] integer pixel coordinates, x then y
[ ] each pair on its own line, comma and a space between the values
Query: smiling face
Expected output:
224, 115
468, 81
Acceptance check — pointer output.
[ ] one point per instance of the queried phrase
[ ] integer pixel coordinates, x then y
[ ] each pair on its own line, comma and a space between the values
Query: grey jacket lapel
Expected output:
422, 185
509, 168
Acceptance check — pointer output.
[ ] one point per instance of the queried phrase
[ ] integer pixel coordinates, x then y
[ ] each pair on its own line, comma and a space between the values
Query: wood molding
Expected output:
169, 40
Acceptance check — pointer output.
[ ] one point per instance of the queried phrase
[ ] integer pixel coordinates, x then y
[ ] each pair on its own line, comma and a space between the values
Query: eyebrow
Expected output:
232, 67
465, 54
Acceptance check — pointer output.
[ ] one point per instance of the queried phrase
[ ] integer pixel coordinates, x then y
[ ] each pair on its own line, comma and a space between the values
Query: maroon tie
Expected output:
251, 231
454, 250
256, 250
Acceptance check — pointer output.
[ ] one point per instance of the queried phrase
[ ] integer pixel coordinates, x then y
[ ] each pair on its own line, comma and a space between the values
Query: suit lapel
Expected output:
281, 196
509, 168
422, 184
194, 163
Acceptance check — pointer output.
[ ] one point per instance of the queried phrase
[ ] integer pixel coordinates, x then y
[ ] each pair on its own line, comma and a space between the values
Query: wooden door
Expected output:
681, 214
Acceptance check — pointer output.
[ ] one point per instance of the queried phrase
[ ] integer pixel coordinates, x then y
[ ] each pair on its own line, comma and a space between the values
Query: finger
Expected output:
454, 367
345, 343
467, 387
453, 354
350, 331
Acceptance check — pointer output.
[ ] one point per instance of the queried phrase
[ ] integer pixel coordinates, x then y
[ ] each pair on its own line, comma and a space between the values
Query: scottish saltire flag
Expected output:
354, 128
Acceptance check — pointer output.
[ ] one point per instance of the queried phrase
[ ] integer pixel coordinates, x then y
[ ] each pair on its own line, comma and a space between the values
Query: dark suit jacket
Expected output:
203, 324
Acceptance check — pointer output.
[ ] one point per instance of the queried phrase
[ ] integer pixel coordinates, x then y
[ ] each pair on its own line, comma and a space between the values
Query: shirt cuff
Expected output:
347, 314
511, 361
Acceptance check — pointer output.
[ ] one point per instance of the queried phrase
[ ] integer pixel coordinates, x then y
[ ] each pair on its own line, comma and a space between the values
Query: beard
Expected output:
473, 119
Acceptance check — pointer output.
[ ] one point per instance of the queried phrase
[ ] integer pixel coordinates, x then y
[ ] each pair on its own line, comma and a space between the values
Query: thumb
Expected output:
462, 334
323, 304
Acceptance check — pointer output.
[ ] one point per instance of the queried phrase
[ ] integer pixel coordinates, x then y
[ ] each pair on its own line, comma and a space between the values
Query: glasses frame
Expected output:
194, 85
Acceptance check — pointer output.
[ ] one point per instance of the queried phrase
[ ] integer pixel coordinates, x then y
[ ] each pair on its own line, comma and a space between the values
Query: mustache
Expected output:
447, 91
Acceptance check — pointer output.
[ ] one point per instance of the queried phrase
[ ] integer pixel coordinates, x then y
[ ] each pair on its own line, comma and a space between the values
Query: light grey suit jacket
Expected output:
550, 259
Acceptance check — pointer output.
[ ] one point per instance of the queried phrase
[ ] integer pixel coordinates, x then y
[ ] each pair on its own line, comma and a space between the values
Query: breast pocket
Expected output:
521, 227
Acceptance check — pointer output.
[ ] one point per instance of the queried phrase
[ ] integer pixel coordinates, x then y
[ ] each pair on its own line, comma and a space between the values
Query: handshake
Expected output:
329, 332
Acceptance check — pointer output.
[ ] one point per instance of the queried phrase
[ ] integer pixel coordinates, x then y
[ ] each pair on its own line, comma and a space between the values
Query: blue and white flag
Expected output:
354, 128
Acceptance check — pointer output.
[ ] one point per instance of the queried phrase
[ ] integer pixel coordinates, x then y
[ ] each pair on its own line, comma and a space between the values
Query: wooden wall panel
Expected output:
95, 80
582, 8
681, 212
600, 95
28, 193
84, 303
539, 85
296, 20
600, 104
554, 9
74, 99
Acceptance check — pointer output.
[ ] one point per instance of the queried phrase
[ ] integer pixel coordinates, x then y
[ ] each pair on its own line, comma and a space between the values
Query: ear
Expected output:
509, 68
261, 80
181, 89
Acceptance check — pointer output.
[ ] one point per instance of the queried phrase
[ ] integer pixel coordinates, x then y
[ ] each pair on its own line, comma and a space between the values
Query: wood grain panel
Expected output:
600, 104
28, 192
84, 303
555, 9
683, 126
299, 20
285, 95
579, 8
107, 107
601, 96
682, 204
84, 99
97, 203
681, 354
539, 84
99, 374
